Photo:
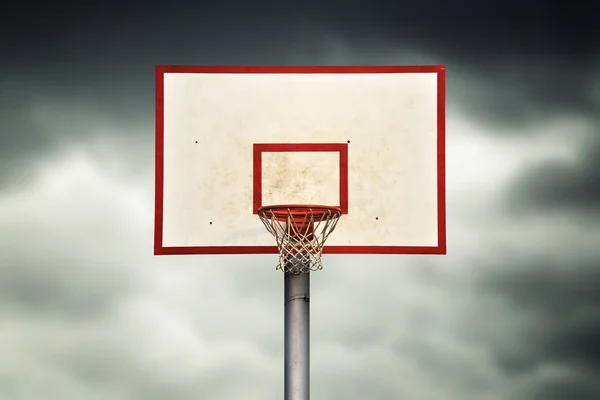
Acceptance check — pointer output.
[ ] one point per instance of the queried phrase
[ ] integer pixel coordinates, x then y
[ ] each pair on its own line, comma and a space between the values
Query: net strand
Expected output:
300, 238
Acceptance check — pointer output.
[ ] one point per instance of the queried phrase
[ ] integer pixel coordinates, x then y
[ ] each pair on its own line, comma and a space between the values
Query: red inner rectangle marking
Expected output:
259, 148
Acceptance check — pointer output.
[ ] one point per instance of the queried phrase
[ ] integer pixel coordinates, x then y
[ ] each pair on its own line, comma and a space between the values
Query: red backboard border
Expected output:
161, 70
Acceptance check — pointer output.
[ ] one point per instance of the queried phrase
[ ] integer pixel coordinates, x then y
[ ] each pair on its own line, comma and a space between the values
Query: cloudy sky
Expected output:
87, 312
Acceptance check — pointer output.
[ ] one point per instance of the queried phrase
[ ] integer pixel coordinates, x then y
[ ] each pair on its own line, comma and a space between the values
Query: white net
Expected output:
300, 232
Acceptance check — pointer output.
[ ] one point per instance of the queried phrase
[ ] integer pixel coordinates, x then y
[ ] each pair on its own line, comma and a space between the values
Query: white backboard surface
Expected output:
370, 140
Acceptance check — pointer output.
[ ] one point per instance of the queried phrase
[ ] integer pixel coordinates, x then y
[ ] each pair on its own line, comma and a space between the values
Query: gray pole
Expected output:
297, 336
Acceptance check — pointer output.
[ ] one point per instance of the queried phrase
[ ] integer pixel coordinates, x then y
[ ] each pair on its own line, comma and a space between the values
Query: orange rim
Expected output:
299, 211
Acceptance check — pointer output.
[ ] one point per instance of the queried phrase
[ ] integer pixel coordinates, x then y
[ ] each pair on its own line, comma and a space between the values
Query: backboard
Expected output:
370, 140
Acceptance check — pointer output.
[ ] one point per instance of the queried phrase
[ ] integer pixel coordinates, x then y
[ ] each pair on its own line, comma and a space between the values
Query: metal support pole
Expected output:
297, 336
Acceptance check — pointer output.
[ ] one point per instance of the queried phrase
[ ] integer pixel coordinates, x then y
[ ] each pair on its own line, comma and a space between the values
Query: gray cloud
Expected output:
56, 257
60, 289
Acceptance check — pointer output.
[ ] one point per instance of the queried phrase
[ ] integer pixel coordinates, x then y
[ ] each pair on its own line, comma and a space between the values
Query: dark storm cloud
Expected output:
542, 51
109, 50
553, 307
39, 123
566, 389
555, 186
22, 139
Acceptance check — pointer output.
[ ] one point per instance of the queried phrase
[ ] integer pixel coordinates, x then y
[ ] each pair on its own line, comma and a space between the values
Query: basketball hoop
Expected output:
300, 232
